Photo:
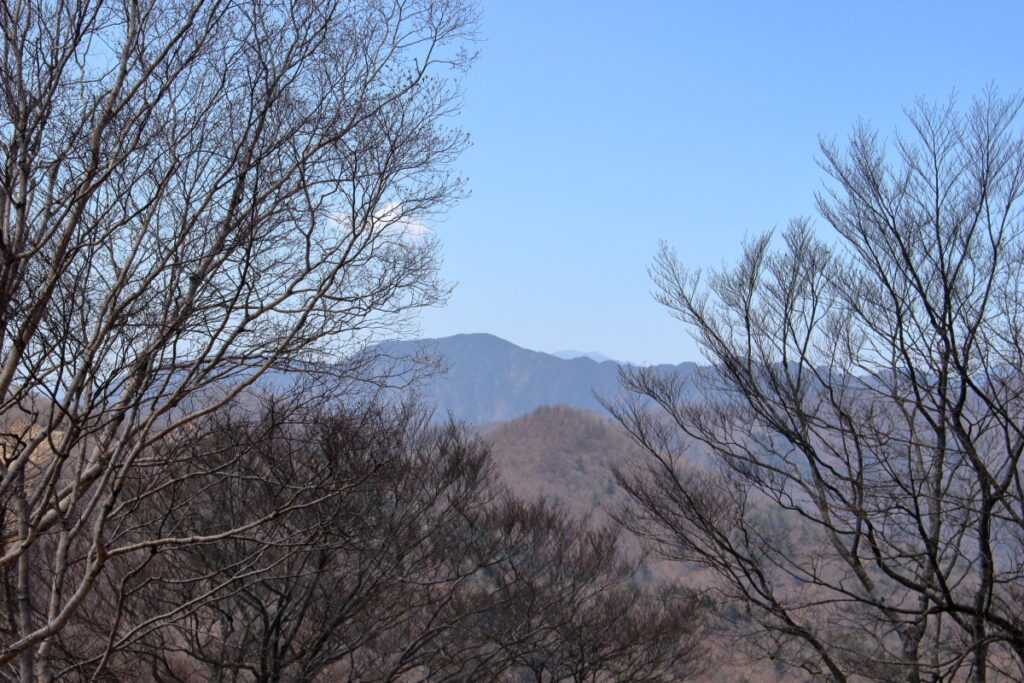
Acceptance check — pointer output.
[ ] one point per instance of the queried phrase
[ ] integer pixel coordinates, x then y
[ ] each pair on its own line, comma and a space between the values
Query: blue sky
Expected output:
600, 128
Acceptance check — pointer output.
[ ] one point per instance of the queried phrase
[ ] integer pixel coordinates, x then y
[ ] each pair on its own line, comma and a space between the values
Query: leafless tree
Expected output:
405, 559
352, 584
863, 415
193, 193
560, 603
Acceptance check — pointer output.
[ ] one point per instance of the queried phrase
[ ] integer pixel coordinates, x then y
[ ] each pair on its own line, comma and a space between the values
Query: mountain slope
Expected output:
564, 455
569, 354
490, 379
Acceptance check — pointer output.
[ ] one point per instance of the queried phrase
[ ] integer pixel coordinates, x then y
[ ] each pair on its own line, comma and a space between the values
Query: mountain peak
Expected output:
570, 354
490, 379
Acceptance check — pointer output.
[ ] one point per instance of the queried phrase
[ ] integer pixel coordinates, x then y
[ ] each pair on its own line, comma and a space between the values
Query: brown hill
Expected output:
564, 454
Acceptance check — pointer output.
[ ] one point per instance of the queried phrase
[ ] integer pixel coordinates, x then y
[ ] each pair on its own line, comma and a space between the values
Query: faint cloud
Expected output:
389, 220
400, 225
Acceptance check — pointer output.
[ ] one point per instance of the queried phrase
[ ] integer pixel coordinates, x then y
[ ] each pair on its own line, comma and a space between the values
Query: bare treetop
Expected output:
869, 391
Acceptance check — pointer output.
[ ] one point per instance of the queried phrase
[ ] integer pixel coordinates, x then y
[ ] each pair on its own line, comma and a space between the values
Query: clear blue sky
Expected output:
599, 128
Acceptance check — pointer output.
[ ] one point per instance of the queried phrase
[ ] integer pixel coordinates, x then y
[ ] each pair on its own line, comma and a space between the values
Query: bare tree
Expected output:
863, 415
560, 603
354, 583
405, 559
193, 193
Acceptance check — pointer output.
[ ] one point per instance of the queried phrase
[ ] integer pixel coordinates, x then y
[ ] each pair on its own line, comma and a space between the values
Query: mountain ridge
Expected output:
597, 356
485, 378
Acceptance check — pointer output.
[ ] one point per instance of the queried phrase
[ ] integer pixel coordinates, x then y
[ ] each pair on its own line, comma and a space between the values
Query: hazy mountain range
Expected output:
569, 354
484, 378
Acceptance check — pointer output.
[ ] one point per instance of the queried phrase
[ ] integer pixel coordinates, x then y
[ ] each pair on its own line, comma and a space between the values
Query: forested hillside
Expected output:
565, 455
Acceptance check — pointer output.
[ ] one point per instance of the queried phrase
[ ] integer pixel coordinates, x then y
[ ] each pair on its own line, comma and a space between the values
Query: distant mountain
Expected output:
490, 379
569, 354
